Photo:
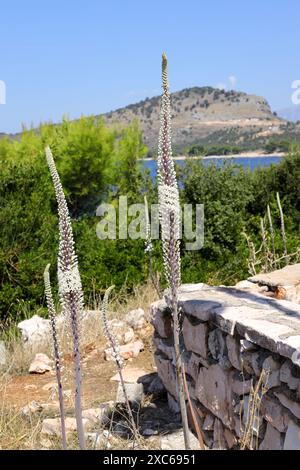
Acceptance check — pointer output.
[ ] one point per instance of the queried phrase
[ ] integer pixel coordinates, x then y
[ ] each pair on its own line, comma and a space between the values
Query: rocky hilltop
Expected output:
205, 115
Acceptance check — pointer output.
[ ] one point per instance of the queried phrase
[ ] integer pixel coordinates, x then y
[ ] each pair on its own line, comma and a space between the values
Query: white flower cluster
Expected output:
168, 194
148, 242
68, 273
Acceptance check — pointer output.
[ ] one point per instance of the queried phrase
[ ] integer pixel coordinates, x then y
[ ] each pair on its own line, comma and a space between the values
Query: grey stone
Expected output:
274, 413
272, 440
192, 363
203, 312
247, 345
292, 437
164, 345
272, 370
208, 424
166, 371
233, 348
161, 319
213, 390
240, 386
134, 391
217, 343
156, 387
287, 377
230, 438
173, 404
287, 276
293, 406
195, 337
219, 438
269, 323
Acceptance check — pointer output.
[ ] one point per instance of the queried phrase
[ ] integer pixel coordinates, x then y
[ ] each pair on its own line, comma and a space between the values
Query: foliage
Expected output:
85, 152
96, 164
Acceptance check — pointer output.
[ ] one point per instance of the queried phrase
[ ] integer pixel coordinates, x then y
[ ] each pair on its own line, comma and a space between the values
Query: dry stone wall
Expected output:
241, 353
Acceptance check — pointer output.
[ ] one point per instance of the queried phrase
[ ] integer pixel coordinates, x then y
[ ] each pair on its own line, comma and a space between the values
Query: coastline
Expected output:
251, 154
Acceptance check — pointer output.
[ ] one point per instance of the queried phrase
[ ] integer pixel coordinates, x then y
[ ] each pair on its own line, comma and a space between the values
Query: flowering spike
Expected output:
69, 282
170, 220
168, 194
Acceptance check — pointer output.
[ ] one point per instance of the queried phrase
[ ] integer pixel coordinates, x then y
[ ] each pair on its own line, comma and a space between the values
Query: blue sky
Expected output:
88, 57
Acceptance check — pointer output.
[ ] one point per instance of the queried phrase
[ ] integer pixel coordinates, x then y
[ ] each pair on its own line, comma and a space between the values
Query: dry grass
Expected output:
23, 432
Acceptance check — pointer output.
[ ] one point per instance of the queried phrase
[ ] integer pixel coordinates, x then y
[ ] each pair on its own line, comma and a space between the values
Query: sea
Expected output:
247, 162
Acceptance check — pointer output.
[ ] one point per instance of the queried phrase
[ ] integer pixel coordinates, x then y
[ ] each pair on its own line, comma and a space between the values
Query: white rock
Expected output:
99, 415
3, 354
130, 375
41, 364
31, 408
36, 332
52, 426
127, 351
175, 441
122, 331
136, 318
134, 391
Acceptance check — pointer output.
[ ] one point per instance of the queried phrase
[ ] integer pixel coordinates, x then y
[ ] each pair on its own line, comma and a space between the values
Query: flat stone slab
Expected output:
270, 323
287, 276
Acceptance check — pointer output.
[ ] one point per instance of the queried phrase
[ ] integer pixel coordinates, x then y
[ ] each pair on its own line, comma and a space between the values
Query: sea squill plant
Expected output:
69, 285
170, 220
115, 348
149, 249
57, 358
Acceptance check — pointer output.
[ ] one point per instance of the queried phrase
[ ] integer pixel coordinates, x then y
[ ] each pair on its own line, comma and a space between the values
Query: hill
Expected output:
205, 115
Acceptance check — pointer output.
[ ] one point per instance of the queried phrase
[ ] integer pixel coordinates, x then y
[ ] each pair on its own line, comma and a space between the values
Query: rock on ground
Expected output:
122, 331
3, 354
40, 364
136, 318
134, 391
175, 441
35, 332
127, 351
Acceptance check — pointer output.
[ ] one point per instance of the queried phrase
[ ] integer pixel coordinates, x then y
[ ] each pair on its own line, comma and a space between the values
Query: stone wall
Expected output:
241, 352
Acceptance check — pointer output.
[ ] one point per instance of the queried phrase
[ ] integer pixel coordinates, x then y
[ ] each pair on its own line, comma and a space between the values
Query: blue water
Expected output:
246, 162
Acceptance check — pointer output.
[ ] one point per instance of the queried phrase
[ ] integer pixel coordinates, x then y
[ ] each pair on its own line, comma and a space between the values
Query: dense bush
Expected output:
94, 163
97, 164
